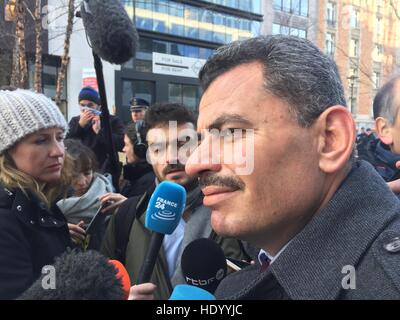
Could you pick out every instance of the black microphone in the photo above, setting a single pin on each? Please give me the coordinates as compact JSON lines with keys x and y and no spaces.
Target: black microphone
{"x":203,"y":264}
{"x":163,"y":214}
{"x":111,"y":32}
{"x":78,"y":276}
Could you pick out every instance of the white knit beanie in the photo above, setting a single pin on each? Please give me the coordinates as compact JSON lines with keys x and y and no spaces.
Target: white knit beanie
{"x":23,"y":112}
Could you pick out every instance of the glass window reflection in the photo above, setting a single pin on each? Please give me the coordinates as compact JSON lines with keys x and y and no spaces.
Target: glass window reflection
{"x":196,"y":23}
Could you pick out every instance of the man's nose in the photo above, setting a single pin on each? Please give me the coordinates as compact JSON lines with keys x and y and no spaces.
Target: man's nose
{"x":171,"y":156}
{"x":200,"y":161}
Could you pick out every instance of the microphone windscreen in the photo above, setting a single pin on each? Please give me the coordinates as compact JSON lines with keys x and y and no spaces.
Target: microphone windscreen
{"x":203,"y":264}
{"x":123,"y":276}
{"x":77,"y":276}
{"x":165,"y":207}
{"x":110,"y":30}
{"x":187,"y":292}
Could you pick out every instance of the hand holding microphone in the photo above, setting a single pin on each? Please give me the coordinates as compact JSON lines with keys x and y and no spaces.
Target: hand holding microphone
{"x":164,"y":212}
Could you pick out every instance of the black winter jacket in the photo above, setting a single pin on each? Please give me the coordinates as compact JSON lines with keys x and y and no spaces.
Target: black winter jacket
{"x":140,"y":178}
{"x":30,"y":238}
{"x":97,"y":142}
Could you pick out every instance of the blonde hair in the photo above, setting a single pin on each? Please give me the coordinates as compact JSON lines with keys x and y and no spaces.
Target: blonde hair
{"x":12,"y":178}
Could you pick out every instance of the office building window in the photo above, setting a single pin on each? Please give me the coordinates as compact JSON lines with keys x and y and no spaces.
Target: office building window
{"x":354,"y":47}
{"x":286,"y":30}
{"x":376,"y":79}
{"x":245,"y":5}
{"x":330,"y":44}
{"x":296,"y":7}
{"x":187,"y":94}
{"x":355,"y":18}
{"x":197,"y":23}
{"x":331,"y":14}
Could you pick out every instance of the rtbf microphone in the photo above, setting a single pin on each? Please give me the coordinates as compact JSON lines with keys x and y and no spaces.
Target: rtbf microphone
{"x":187,"y":292}
{"x":164,"y":212}
{"x":110,"y":30}
{"x":203,"y":264}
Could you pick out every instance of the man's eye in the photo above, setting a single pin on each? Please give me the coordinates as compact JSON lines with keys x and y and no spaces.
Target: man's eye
{"x":228,"y":132}
{"x":155,"y":149}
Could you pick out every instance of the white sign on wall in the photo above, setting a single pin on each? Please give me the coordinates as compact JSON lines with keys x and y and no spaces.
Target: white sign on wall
{"x":89,"y":78}
{"x":176,"y":65}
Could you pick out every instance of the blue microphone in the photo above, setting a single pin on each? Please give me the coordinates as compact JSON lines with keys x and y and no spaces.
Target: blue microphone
{"x":164,"y":212}
{"x":188,"y":292}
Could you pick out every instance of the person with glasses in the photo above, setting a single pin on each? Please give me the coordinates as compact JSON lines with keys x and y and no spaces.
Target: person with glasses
{"x":138,"y":108}
{"x":88,"y":129}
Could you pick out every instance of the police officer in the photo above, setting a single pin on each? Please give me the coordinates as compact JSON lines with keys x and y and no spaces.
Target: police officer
{"x":138,"y":108}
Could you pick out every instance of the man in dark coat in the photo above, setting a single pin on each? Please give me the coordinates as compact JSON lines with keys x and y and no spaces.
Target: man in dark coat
{"x":328,"y":226}
{"x":386,"y":150}
{"x":87,"y":127}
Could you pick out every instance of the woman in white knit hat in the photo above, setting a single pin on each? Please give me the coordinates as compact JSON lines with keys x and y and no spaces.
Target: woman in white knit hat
{"x":32,"y":230}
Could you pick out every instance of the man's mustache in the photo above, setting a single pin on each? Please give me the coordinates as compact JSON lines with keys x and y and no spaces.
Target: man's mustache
{"x":173,"y":167}
{"x":221,"y":181}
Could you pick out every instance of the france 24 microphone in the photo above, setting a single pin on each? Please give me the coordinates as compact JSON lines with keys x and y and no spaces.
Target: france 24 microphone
{"x":203,"y":264}
{"x":111,"y":32}
{"x":188,"y":292}
{"x":164,"y":211}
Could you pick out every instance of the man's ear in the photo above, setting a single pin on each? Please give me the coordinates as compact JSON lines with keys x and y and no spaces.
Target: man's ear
{"x":336,"y":136}
{"x":383,"y":129}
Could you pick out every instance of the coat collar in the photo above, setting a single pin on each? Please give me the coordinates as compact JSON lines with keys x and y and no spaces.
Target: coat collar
{"x":312,"y":264}
{"x":29,"y":210}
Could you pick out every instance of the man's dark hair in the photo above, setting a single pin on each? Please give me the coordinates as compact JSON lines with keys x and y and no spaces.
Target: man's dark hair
{"x":130,"y":131}
{"x":160,"y":114}
{"x":383,"y":105}
{"x":294,"y":70}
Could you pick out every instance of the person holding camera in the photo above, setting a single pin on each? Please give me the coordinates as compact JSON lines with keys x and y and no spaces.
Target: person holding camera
{"x":88,"y":129}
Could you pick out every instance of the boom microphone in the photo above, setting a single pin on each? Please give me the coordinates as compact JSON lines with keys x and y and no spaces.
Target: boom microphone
{"x":79,"y":276}
{"x":110,"y":30}
{"x":164,"y":212}
{"x":203,"y":264}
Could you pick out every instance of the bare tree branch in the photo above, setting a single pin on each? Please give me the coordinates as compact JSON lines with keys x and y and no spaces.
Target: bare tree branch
{"x":39,"y":49}
{"x":65,"y":57}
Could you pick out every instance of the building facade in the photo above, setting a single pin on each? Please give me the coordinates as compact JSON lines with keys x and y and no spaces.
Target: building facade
{"x":176,"y":38}
{"x":362,"y":36}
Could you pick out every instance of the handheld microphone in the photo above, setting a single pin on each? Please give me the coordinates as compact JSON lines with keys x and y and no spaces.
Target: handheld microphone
{"x":78,"y":276}
{"x":111,"y":32}
{"x":187,"y":292}
{"x":123,"y":276}
{"x":203,"y":264}
{"x":164,"y":211}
